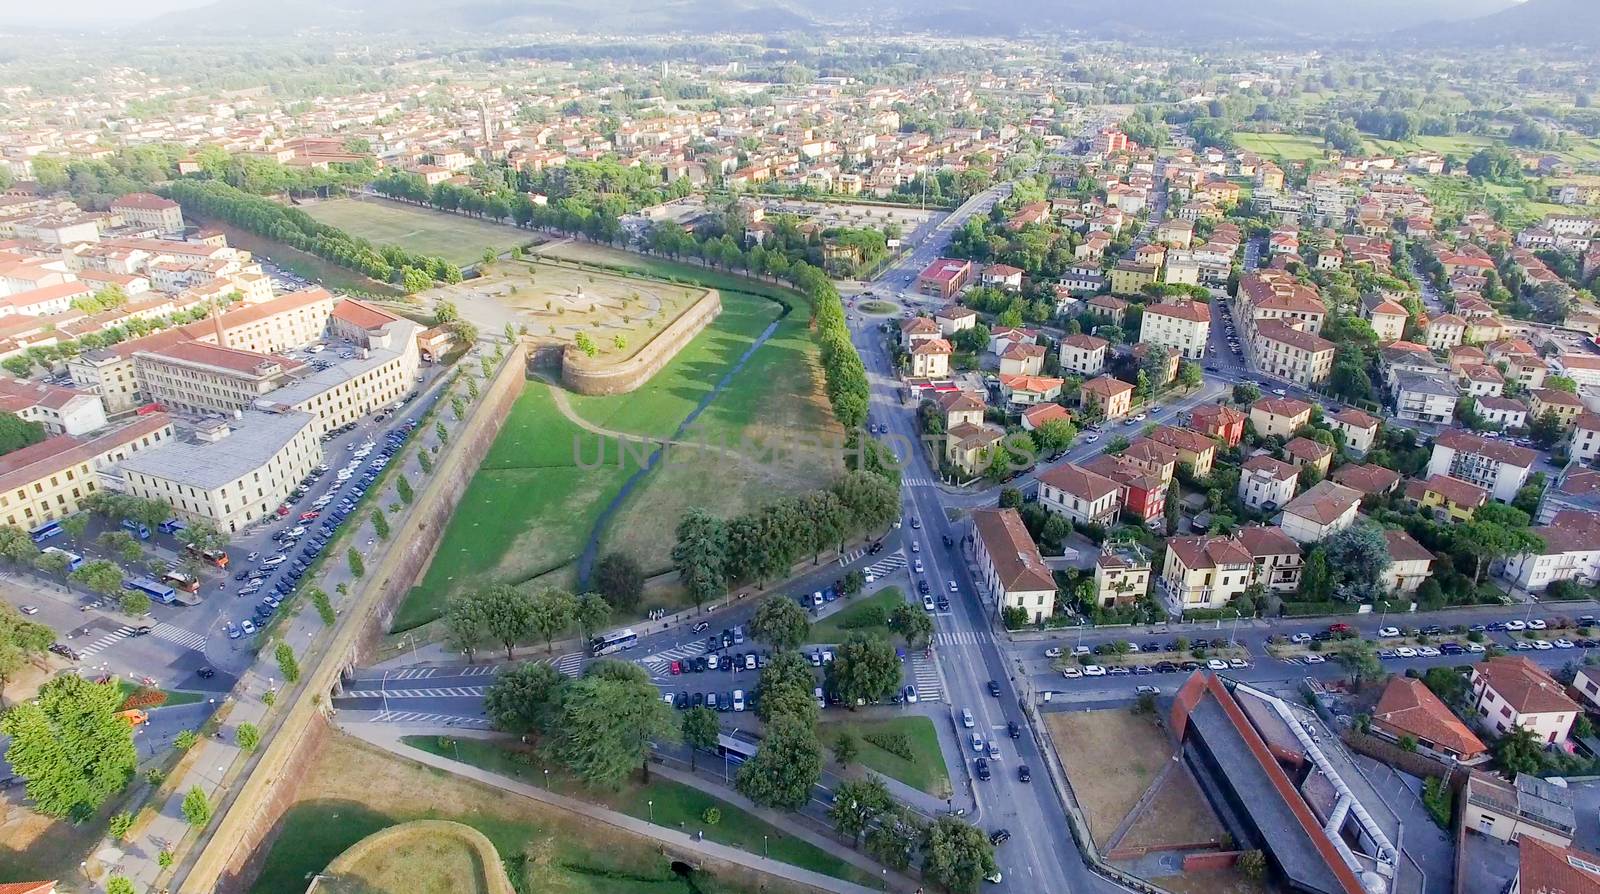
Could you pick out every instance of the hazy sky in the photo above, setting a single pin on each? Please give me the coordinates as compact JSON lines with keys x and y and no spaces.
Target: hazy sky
{"x":88,"y":12}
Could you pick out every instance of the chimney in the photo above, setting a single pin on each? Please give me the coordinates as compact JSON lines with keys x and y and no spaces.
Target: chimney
{"x":216,"y":320}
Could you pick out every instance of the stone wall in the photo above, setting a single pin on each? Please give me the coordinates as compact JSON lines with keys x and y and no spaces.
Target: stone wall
{"x":251,"y":811}
{"x":599,"y":375}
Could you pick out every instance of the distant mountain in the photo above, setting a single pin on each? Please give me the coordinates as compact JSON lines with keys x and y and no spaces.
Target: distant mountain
{"x":1216,"y":19}
{"x":1534,"y":23}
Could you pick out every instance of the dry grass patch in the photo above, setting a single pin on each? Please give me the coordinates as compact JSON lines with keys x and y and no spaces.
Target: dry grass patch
{"x":1222,"y":881}
{"x":1177,"y":815}
{"x":1111,"y":757}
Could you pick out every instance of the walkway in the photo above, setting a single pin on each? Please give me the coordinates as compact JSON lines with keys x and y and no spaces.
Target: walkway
{"x":388,"y":737}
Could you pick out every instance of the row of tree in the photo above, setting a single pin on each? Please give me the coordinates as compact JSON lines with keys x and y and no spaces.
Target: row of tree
{"x":215,"y":200}
{"x":711,"y":553}
{"x":508,"y":617}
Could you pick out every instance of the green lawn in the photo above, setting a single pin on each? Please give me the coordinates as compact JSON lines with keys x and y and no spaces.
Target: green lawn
{"x":454,"y":237}
{"x":174,"y":696}
{"x":835,"y":627}
{"x":925,"y":770}
{"x":1286,"y":147}
{"x":665,"y":802}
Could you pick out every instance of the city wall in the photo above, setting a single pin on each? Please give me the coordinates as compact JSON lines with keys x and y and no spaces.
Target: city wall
{"x":600,"y":375}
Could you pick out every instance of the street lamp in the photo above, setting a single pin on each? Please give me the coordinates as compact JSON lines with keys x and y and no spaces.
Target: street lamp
{"x":652,"y":805}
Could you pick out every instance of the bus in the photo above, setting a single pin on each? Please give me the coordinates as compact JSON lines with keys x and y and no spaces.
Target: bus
{"x":607,"y":643}
{"x":177,"y":579}
{"x":736,"y":747}
{"x":215,"y":556}
{"x":74,"y":561}
{"x":45,"y":531}
{"x":158,"y":591}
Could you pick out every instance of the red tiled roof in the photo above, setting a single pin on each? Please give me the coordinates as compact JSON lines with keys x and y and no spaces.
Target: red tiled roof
{"x":1190,"y":311}
{"x":1016,"y":559}
{"x":1039,"y":414}
{"x":932,"y":346}
{"x":1462,"y":493}
{"x":1260,"y":540}
{"x":1324,"y":502}
{"x":1281,"y":406}
{"x":27,"y":887}
{"x":1307,"y":449}
{"x":1208,"y":552}
{"x":1524,"y":685}
{"x":1085,"y":342}
{"x":1545,"y":868}
{"x":1079,"y":482}
{"x":360,"y":313}
{"x":1404,"y":548}
{"x":1267,"y":465}
{"x":143,"y":201}
{"x":1368,"y":479}
{"x":1355,"y":418}
{"x":1106,"y":386}
{"x":1183,"y":439}
{"x":1409,"y":707}
{"x":30,"y":463}
{"x":1467,"y":442}
{"x":1296,"y":338}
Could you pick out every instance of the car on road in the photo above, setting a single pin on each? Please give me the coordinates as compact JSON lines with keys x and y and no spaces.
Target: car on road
{"x":247,"y":626}
{"x":927,"y":602}
{"x":953,"y":588}
{"x":1216,"y":664}
{"x":1513,"y":626}
{"x":1147,"y":690}
{"x":966,"y":718}
{"x":1024,"y":774}
{"x":702,"y":626}
{"x":909,"y":694}
{"x":999,"y":837}
{"x":916,"y":525}
{"x":1536,"y":624}
{"x":1013,"y":730}
{"x":29,"y":609}
{"x":994,"y":688}
{"x":1388,"y":632}
{"x":206,"y":673}
{"x":981,"y":768}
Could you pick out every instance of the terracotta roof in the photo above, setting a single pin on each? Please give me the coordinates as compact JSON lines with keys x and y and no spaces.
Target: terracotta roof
{"x":1355,"y":418}
{"x":1368,"y":479}
{"x":918,"y":326}
{"x":1409,"y":707}
{"x":1307,"y":449}
{"x":1281,"y":332}
{"x":1190,"y":311}
{"x":1324,"y":503}
{"x":1016,"y":559}
{"x":1225,"y":415}
{"x":1508,"y":405}
{"x":1570,"y":531}
{"x":1037,"y":384}
{"x":968,"y":435}
{"x":959,"y":401}
{"x":29,"y":464}
{"x":1461,"y":493}
{"x":1281,"y":406}
{"x":1545,"y":868}
{"x":1148,"y":450}
{"x":1108,"y":302}
{"x":1483,"y":372}
{"x":1270,"y":467}
{"x":1524,"y":685}
{"x":1404,"y":548}
{"x":1260,"y":540}
{"x":27,"y":887}
{"x":1106,"y":386}
{"x":1388,"y":309}
{"x":1023,"y":351}
{"x":1039,"y":414}
{"x":143,"y":201}
{"x":360,"y":313}
{"x":1182,"y":439}
{"x":1079,"y":482}
{"x":1085,"y":342}
{"x":1450,"y":320}
{"x":955,"y":312}
{"x":1554,"y":397}
{"x":1588,"y":421}
{"x":1467,"y":442}
{"x":1208,"y":552}
{"x":932,"y":346}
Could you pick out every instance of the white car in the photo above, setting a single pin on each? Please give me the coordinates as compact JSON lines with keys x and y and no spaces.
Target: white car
{"x":1563,"y":643}
{"x":977,"y":743}
{"x":1315,"y":659}
{"x":1092,"y":437}
{"x":344,"y":474}
{"x":917,"y":566}
{"x":1517,"y":625}
{"x":927,"y":603}
{"x":1428,"y":652}
{"x":966,"y":717}
{"x":1300,"y":638}
{"x":1405,"y":652}
{"x":1388,"y":632}
{"x":1093,"y":670}
{"x":1535,"y":624}
{"x":1238,"y":663}
{"x":1542,"y":645}
{"x":1071,"y":673}
{"x":29,"y":609}
{"x":1053,"y":652}
{"x":738,"y":699}
{"x":953,"y":587}
{"x":1216,"y":664}
{"x":1476,"y":648}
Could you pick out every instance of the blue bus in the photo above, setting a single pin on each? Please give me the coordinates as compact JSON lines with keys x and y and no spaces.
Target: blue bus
{"x":158,"y":591}
{"x":45,"y":531}
{"x":74,"y":561}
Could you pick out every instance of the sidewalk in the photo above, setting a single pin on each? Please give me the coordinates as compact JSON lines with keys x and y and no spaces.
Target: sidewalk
{"x":388,"y":736}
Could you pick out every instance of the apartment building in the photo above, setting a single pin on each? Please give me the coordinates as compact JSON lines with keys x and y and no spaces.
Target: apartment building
{"x":350,"y":389}
{"x":1009,"y":564}
{"x":1359,"y":429}
{"x":1571,"y":552}
{"x":1425,"y":397}
{"x":200,"y":377}
{"x":1079,"y":494}
{"x":228,"y":472}
{"x":62,"y":411}
{"x":1121,"y":574}
{"x":145,"y":209}
{"x":1111,"y":397}
{"x":1279,"y":417}
{"x":1266,"y":483}
{"x":1277,"y":560}
{"x":1324,"y":509}
{"x":1410,"y":563}
{"x":51,"y":479}
{"x":1084,"y":355}
{"x":1495,"y":466}
{"x":1292,"y":354}
{"x":1510,"y":691}
{"x":1205,"y":572}
{"x":1183,"y":326}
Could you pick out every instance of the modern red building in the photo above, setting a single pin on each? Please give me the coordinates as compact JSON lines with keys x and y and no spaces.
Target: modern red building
{"x":945,"y":277}
{"x":1219,"y":421}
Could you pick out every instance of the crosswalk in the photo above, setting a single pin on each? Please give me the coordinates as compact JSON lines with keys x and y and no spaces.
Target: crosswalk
{"x":186,"y":638}
{"x":432,"y":692}
{"x":852,"y":556}
{"x":421,"y":718}
{"x":568,"y":665}
{"x":964,"y":638}
{"x":660,"y":664}
{"x":885,"y":567}
{"x":918,"y":482}
{"x":106,"y":641}
{"x":925,"y":674}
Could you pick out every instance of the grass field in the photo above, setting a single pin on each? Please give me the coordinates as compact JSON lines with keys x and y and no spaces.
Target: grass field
{"x":174,"y":696}
{"x":436,"y":864}
{"x":854,"y":619}
{"x":532,"y":505}
{"x":360,"y":790}
{"x":1287,"y":147}
{"x":454,"y":237}
{"x":670,"y":804}
{"x":925,"y":769}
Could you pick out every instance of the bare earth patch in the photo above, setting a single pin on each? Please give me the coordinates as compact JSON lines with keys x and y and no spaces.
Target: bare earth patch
{"x":1111,"y":757}
{"x":1178,"y":815}
{"x":1225,"y":881}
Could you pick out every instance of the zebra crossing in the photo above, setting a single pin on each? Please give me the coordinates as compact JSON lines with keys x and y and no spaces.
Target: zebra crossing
{"x":185,"y":638}
{"x":925,"y":674}
{"x":660,"y":664}
{"x":424,"y":719}
{"x":964,"y":638}
{"x":918,"y":482}
{"x":106,"y":641}
{"x":434,"y":692}
{"x":886,"y":567}
{"x":567,"y":665}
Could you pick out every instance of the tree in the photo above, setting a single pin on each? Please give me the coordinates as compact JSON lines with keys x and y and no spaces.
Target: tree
{"x":606,"y":721}
{"x":1361,"y":662}
{"x":701,"y":555}
{"x":120,"y":825}
{"x":466,"y":624}
{"x":1190,"y":376}
{"x":133,"y":603}
{"x":1246,"y":393}
{"x":118,"y":884}
{"x":507,"y":614}
{"x":16,"y":434}
{"x":21,"y":641}
{"x":358,"y":568}
{"x":864,"y":669}
{"x":1519,"y":751}
{"x":956,"y":855}
{"x":1561,"y":383}
{"x":70,"y":746}
{"x":380,"y":525}
{"x":1316,"y":582}
{"x":857,"y":803}
{"x":288,"y":665}
{"x":845,"y":748}
{"x":248,"y":735}
{"x":196,"y":807}
{"x":1358,"y":556}
{"x":618,"y":577}
{"x":785,"y":767}
{"x":895,"y":837}
{"x":1054,"y":435}
{"x":521,"y":699}
{"x":553,"y":611}
{"x":700,"y":731}
{"x":913,"y":625}
{"x":591,"y":613}
{"x":780,"y":622}
{"x":786,"y":685}
{"x":1494,"y":536}
{"x":16,"y":546}
{"x":99,"y":576}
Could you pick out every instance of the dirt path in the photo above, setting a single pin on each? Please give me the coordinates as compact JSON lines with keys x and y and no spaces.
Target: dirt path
{"x":559,"y":394}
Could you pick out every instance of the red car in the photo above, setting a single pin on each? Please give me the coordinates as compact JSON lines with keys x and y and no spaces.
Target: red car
{"x":677,"y":668}
{"x":308,"y":516}
{"x":283,"y":510}
{"x":1340,"y":628}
